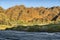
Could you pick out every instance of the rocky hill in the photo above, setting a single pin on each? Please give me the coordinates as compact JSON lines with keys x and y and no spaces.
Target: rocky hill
{"x":24,"y":15}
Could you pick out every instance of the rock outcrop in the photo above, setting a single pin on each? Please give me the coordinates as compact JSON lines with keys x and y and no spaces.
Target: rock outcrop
{"x":38,"y":14}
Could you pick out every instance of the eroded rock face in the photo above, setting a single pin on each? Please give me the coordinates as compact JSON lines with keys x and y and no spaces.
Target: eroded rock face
{"x":3,"y":16}
{"x":32,"y":14}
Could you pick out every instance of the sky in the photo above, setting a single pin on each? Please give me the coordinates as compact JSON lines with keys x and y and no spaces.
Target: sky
{"x":29,"y":3}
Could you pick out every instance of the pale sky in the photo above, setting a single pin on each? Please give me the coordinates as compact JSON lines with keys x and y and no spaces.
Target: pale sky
{"x":29,"y":3}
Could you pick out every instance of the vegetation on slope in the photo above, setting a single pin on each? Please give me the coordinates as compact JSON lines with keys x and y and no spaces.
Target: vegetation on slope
{"x":21,"y":15}
{"x":37,"y":28}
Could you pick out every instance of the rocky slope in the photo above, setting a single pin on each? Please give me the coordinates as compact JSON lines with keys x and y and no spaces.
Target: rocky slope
{"x":31,"y":15}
